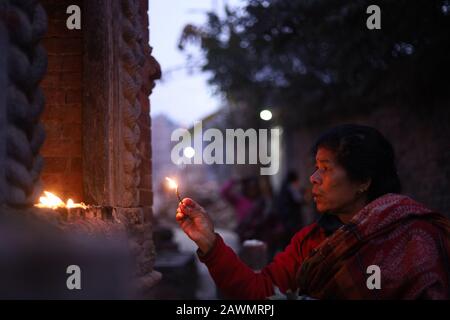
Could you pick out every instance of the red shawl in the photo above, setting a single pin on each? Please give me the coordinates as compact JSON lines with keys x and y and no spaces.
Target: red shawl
{"x":408,"y":242}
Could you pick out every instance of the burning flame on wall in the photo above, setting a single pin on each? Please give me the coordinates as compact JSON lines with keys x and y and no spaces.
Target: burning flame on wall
{"x":52,"y":201}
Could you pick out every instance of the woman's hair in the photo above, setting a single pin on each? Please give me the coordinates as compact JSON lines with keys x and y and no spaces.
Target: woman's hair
{"x":365,"y":154}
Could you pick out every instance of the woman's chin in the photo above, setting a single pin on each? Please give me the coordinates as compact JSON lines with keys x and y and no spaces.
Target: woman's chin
{"x":321,"y":208}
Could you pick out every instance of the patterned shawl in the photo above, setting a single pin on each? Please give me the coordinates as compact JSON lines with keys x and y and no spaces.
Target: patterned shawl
{"x":408,"y":242}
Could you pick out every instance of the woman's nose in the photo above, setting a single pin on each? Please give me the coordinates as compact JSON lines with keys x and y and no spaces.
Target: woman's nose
{"x":315,"y":177}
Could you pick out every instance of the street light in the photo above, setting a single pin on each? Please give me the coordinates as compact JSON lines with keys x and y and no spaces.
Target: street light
{"x":266,"y":115}
{"x":189,"y":152}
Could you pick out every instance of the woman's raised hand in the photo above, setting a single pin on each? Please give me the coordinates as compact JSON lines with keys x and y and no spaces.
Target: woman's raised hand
{"x":196,"y":223}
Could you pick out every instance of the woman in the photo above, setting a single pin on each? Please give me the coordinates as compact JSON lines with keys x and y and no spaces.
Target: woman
{"x":364,"y":223}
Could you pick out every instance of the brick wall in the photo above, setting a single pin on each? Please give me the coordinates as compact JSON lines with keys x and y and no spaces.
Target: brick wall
{"x":62,"y":85}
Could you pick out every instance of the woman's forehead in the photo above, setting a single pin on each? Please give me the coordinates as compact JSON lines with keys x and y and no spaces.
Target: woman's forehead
{"x":325,"y":155}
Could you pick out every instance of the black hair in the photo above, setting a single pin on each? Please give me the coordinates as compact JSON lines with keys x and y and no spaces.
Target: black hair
{"x":365,"y":154}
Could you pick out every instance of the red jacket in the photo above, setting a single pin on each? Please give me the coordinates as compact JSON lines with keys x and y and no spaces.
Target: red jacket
{"x":409,"y":244}
{"x":236,"y":280}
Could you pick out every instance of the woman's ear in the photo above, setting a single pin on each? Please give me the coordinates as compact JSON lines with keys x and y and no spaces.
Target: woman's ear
{"x":365,"y":186}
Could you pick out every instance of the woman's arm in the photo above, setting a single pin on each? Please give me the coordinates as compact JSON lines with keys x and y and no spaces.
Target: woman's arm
{"x":236,"y":280}
{"x":231,"y":275}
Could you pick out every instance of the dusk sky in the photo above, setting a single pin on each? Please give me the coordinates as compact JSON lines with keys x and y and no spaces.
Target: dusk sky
{"x":184,"y":97}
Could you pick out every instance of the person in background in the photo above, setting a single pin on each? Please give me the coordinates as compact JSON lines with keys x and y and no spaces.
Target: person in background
{"x":249,"y":204}
{"x":309,"y":212}
{"x":289,"y":206}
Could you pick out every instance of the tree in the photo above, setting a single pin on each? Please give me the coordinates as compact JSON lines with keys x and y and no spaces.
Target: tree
{"x":315,"y":58}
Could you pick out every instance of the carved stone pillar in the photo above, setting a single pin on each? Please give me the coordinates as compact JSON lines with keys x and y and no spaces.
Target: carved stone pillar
{"x":23,"y":65}
{"x":118,"y":75}
{"x":118,"y":68}
{"x":118,"y":71}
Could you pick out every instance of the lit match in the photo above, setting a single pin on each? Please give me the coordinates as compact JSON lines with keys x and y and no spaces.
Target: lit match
{"x":174,"y":185}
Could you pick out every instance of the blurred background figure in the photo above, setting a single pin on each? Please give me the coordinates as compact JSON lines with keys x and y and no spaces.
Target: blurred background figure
{"x":289,"y":207}
{"x":251,"y":198}
{"x":242,"y":200}
{"x":243,"y":195}
{"x":309,"y":212}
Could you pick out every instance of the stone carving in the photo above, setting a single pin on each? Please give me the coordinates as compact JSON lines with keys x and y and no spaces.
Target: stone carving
{"x":26,"y":23}
{"x":119,"y":72}
{"x":138,"y":70}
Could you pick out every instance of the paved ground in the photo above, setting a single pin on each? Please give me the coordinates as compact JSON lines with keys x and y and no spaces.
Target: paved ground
{"x":206,"y":289}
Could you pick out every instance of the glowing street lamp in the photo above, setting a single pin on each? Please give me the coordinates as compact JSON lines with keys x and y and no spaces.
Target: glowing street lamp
{"x":189,"y":152}
{"x":266,"y":115}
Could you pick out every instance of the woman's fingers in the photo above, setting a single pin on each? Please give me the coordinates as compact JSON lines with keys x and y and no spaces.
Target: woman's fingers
{"x":187,"y":209}
{"x":179,"y":215}
{"x":188,"y":202}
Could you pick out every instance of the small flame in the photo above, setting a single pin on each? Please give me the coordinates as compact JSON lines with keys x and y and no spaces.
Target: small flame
{"x":70,"y":205}
{"x":172,"y":183}
{"x":54,"y":202}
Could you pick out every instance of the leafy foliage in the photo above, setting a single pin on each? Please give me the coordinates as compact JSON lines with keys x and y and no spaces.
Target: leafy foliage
{"x":314,"y":58}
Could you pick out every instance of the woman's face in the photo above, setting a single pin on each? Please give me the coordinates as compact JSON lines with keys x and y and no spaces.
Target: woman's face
{"x":332,"y":190}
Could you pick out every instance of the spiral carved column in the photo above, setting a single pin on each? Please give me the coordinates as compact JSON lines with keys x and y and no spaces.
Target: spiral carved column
{"x":24,"y":24}
{"x":119,"y":76}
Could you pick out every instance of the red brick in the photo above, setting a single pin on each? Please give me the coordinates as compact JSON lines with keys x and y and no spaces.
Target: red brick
{"x":76,"y":165}
{"x":67,"y":114}
{"x":72,"y":113}
{"x":54,"y":63}
{"x":55,"y":164}
{"x":53,"y":113}
{"x":73,"y":96}
{"x":71,"y":131}
{"x":50,"y":180}
{"x":63,"y":45}
{"x":54,"y":96}
{"x":51,"y":80}
{"x":57,"y":28}
{"x":73,"y":181}
{"x":57,"y":9}
{"x":74,"y":192}
{"x":64,"y":186}
{"x":71,"y":80}
{"x":61,"y":148}
{"x":72,"y":63}
{"x":53,"y":129}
